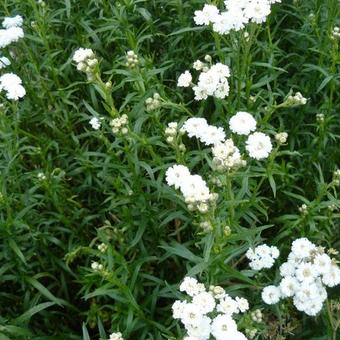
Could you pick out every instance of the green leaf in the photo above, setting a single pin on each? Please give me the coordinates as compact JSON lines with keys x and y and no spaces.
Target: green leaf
{"x":32,"y":311}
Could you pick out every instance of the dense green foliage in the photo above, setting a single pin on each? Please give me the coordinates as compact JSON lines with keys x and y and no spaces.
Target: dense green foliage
{"x":102,"y":188}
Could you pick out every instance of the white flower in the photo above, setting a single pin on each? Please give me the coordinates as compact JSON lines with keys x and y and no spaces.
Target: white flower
{"x":191,"y":286}
{"x":191,"y":315}
{"x":205,"y":302}
{"x":95,"y":123}
{"x":262,"y":256}
{"x":207,"y":134}
{"x":9,"y":35}
{"x":195,"y":127}
{"x":271,"y":295}
{"x":176,"y":175}
{"x":223,"y":326}
{"x":227,"y":305}
{"x":242,"y":304}
{"x":257,"y":10}
{"x":236,"y":15}
{"x":258,"y":145}
{"x":16,"y":21}
{"x":4,"y":62}
{"x":332,"y":277}
{"x":212,"y":135}
{"x":198,"y":65}
{"x":200,"y":331}
{"x":302,"y":247}
{"x":11,"y":83}
{"x":207,"y":15}
{"x":322,"y":263}
{"x":213,"y":82}
{"x":287,"y":269}
{"x":306,"y":272}
{"x":195,"y":186}
{"x":82,"y":54}
{"x":313,"y":307}
{"x":242,"y":123}
{"x":288,"y":286}
{"x":184,"y":79}
{"x":307,"y":290}
{"x":116,"y":336}
{"x":178,"y":308}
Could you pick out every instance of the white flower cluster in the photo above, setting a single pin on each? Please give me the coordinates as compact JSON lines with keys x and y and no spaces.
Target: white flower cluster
{"x":258,"y":144}
{"x":297,"y":99}
{"x":236,"y":15}
{"x":86,"y":61}
{"x":116,"y":336}
{"x":226,"y":156}
{"x":262,"y":256}
{"x":208,"y":313}
{"x":304,"y":277}
{"x":194,"y":189}
{"x":131,"y":59}
{"x":12,"y":31}
{"x":4,"y":62}
{"x":212,"y":81}
{"x":9,"y":82}
{"x":12,"y":85}
{"x":153,"y":103}
{"x":120,"y":125}
{"x":207,"y":134}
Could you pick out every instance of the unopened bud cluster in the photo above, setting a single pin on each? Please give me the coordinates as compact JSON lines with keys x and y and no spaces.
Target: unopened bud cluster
{"x":171,"y":133}
{"x":227,"y":156}
{"x":201,"y":66}
{"x":336,"y":177}
{"x":153,"y":103}
{"x":256,"y":315}
{"x":131,"y":59}
{"x":303,"y":209}
{"x":320,"y":117}
{"x":336,"y":33}
{"x":206,"y":226}
{"x":297,"y":99}
{"x":119,"y":125}
{"x":196,"y":193}
{"x":97,"y":266}
{"x":332,"y":207}
{"x":102,"y":247}
{"x":86,"y":61}
{"x":41,"y":176}
{"x":251,"y":333}
{"x":281,"y":137}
